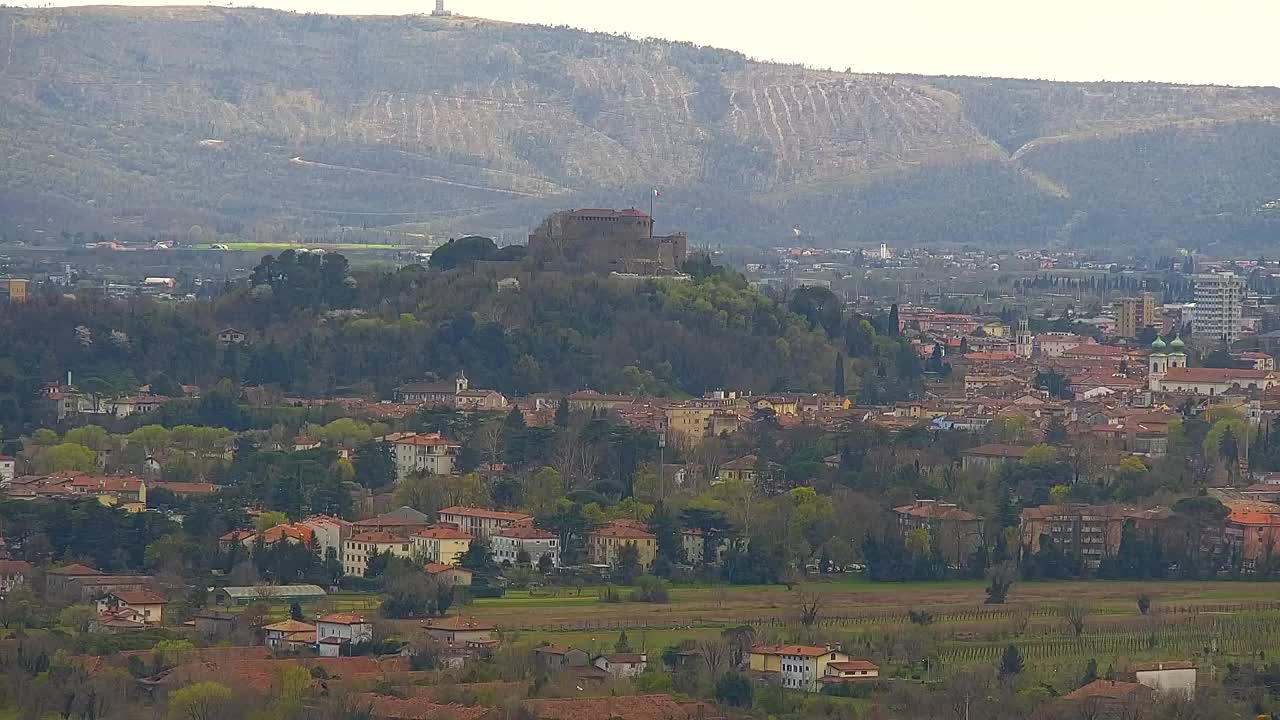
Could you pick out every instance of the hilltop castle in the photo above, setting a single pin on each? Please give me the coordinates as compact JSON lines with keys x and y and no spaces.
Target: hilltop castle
{"x":608,"y":241}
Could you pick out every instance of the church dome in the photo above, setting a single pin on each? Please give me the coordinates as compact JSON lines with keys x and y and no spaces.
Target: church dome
{"x":1157,"y":347}
{"x":1177,"y":344}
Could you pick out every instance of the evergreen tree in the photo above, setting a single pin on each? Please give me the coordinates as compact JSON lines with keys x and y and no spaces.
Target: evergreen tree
{"x":374,"y":463}
{"x":562,"y":413}
{"x":295,"y":611}
{"x":622,"y":645}
{"x":893,"y":328}
{"x":1010,"y":662}
{"x":1229,"y":446}
{"x":839,"y":377}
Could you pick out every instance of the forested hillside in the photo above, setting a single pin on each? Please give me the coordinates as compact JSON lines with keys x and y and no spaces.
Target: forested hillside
{"x":317,"y":329}
{"x":210,"y":122}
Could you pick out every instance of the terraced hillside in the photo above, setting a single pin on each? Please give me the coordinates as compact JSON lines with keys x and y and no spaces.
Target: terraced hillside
{"x":206,"y":121}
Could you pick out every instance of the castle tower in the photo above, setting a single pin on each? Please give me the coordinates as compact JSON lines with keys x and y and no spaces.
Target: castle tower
{"x":440,"y":11}
{"x":1025,"y":340}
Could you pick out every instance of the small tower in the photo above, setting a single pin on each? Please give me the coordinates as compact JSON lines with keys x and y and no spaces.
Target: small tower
{"x":1157,"y":363}
{"x":461,"y":382}
{"x":1025,"y":340}
{"x":1177,"y":353}
{"x":440,"y":11}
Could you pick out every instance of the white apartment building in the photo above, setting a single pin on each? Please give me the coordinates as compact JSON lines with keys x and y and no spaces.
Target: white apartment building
{"x":424,"y":452}
{"x":329,"y":532}
{"x":507,"y":543}
{"x":1219,"y":299}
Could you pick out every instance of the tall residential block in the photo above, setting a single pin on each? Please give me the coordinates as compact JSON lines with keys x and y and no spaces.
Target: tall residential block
{"x":1219,"y":299}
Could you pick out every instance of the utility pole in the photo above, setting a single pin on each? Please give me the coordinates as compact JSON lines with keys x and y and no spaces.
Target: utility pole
{"x":662,"y":451}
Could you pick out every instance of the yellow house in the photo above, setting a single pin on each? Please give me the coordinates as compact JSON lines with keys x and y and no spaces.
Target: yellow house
{"x":995,"y":329}
{"x":357,"y":549}
{"x":743,"y":470}
{"x":778,"y":404}
{"x":799,"y":667}
{"x":441,"y":544}
{"x":608,"y":541}
{"x":687,"y":424}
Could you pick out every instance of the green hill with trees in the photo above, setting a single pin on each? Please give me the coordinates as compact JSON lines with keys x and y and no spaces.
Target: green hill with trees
{"x":209,"y":124}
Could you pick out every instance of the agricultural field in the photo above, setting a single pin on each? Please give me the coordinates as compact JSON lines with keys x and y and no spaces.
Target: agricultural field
{"x":1213,"y":623}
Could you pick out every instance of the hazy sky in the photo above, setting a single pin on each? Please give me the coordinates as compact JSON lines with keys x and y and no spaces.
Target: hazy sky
{"x":1192,"y":41}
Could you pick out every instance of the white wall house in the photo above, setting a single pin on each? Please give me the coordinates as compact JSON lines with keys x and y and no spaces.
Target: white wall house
{"x":339,"y":629}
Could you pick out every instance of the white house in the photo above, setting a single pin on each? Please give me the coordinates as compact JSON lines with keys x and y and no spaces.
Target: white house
{"x":1171,"y":678}
{"x":338,"y":629}
{"x":327,"y":532}
{"x":622,"y":664}
{"x":430,"y":453}
{"x":8,"y":470}
{"x":507,"y":543}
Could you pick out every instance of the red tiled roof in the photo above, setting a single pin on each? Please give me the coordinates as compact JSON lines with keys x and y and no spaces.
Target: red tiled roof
{"x":379,"y":537}
{"x":289,"y":626}
{"x":342,"y":619}
{"x":431,"y":440}
{"x":74,"y":570}
{"x":803,"y":650}
{"x":1214,"y":375}
{"x":442,"y":532}
{"x":623,"y":532}
{"x":484,"y":513}
{"x":1106,"y":689}
{"x":852,"y":665}
{"x":939,"y":511}
{"x":14,"y":567}
{"x":525,"y":532}
{"x":139,"y":597}
{"x":387,"y":707}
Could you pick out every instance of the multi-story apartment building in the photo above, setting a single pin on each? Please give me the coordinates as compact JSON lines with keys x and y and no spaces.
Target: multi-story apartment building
{"x":1091,"y":532}
{"x":481,"y":522}
{"x":424,"y":452}
{"x":1219,"y":303}
{"x":1134,"y":314}
{"x":507,"y":543}
{"x":957,"y":533}
{"x":441,"y":544}
{"x":608,"y":541}
{"x":357,"y":549}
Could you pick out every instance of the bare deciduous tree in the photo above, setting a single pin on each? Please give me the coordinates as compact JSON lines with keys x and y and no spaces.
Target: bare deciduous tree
{"x":1074,"y":615}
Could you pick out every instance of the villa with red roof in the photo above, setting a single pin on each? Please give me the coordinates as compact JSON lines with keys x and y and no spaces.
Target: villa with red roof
{"x":607,"y":543}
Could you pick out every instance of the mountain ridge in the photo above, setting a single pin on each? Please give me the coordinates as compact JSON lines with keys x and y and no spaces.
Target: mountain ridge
{"x":263,"y":123}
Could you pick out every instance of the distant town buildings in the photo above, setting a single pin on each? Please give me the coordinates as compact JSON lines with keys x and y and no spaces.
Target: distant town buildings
{"x":1134,"y":314}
